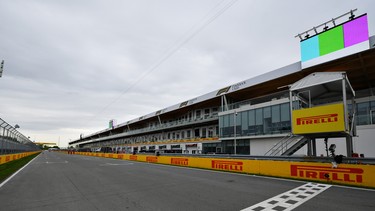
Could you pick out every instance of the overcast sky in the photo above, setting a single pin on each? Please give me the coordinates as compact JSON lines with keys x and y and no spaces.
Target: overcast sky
{"x":71,"y":66}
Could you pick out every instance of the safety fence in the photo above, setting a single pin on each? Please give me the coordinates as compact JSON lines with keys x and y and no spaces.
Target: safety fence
{"x":10,"y":157}
{"x":344,"y":174}
{"x":12,"y":141}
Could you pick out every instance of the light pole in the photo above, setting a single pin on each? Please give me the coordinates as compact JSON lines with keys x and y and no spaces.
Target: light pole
{"x":235,"y":131}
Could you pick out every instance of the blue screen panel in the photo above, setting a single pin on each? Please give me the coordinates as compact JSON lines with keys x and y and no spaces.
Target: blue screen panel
{"x":310,"y":48}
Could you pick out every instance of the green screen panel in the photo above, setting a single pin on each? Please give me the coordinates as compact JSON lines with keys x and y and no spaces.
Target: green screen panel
{"x":331,"y":41}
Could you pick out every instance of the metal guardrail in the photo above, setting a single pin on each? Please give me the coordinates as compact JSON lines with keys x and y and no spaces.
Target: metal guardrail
{"x":12,"y":141}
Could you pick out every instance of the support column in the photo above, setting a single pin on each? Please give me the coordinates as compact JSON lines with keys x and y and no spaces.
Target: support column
{"x":309,"y":148}
{"x":349,"y":146}
{"x":326,"y":145}
{"x":313,"y":143}
{"x":224,"y":103}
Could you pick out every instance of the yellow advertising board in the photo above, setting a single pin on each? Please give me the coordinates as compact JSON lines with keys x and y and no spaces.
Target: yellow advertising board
{"x":346,"y":174}
{"x":321,"y":119}
{"x":10,"y":157}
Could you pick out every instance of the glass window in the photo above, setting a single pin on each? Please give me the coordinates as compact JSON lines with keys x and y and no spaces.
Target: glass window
{"x":197,"y":133}
{"x":363,"y":107}
{"x":238,"y":118}
{"x":372,"y":112}
{"x":206,"y":113}
{"x":275,"y":113}
{"x":204,"y":132}
{"x":285,"y":113}
{"x":267,"y":112}
{"x":266,"y":120}
{"x":259,"y":116}
{"x":244,"y":123}
{"x":226,"y":121}
{"x":198,"y":114}
{"x":251,"y":117}
{"x":210,"y":132}
{"x":231,"y":120}
{"x":363,"y":113}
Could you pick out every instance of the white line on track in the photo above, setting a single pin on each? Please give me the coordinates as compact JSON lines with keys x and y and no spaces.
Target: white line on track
{"x":9,"y":178}
{"x":116,"y":164}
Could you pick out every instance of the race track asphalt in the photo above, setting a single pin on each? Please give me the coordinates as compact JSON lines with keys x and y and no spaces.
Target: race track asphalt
{"x":57,"y":181}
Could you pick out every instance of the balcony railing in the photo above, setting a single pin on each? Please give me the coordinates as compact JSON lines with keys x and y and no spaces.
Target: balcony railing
{"x":168,"y":125}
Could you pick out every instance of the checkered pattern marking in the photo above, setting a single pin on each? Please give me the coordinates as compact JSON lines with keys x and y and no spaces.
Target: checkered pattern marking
{"x":290,"y":199}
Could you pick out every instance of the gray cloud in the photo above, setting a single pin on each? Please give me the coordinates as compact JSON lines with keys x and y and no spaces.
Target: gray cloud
{"x":70,"y":66}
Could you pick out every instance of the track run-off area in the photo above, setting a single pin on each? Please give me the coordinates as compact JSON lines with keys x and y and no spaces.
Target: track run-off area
{"x":57,"y":181}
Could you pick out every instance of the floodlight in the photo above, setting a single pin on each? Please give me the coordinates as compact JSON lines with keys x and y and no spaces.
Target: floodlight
{"x":351,"y":17}
{"x":316,"y":32}
{"x":324,"y":25}
{"x":299,"y":35}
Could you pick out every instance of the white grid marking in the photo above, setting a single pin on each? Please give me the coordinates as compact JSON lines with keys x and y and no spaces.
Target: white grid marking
{"x":290,"y":199}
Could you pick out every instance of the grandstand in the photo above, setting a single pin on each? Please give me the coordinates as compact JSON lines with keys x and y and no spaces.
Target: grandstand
{"x":255,"y":116}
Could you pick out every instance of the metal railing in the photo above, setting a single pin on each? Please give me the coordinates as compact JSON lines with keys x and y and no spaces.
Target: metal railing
{"x":280,"y":147}
{"x":165,"y":126}
{"x":12,"y":141}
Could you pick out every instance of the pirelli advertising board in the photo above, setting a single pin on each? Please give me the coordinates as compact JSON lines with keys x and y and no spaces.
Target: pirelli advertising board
{"x":322,"y":119}
{"x":347,"y":174}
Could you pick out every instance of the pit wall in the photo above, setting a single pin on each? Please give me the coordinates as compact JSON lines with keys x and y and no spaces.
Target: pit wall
{"x":345,"y":174}
{"x":10,"y":157}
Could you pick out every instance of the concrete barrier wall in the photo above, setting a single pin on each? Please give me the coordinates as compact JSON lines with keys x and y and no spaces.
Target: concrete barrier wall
{"x":10,"y":157}
{"x":345,"y":174}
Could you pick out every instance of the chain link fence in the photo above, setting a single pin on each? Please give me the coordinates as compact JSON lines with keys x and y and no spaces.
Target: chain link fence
{"x":12,"y":141}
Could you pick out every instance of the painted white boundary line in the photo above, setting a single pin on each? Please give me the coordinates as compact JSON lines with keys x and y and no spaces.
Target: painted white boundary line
{"x":9,"y":178}
{"x":290,"y":199}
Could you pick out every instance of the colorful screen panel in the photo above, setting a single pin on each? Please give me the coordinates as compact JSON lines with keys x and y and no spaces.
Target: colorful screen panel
{"x":331,"y":41}
{"x":340,"y":37}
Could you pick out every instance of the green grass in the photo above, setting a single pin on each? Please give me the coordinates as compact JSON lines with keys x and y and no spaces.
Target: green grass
{"x":7,"y":169}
